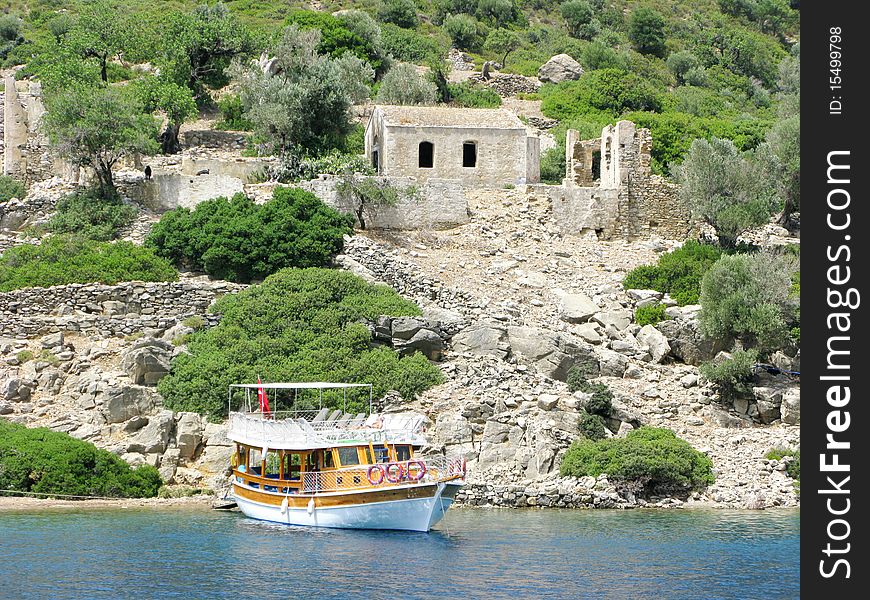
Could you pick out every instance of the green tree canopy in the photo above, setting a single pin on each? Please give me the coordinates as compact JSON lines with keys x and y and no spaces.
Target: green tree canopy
{"x":303,"y":105}
{"x":403,"y":85}
{"x":175,"y":101}
{"x":95,"y":127}
{"x":647,"y":31}
{"x":502,"y":42}
{"x":730,"y":190}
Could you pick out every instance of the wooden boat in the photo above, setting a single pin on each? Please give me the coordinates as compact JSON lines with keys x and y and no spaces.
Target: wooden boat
{"x":330,"y":468}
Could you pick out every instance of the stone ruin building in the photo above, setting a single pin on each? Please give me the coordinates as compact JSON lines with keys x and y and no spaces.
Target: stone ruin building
{"x":447,"y":153}
{"x":479,"y":146}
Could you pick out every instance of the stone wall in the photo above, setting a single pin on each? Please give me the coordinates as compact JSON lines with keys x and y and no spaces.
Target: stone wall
{"x":106,"y":310}
{"x":438,"y":204}
{"x":25,"y":149}
{"x":628,"y":201}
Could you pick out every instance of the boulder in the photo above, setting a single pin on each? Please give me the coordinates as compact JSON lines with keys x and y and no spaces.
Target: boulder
{"x":52,"y":340}
{"x":552,"y":354}
{"x":620,"y":319}
{"x":404,"y":328}
{"x":6,"y":409}
{"x":154,"y":437}
{"x":215,"y":459}
{"x":113,"y":308}
{"x":611,"y":363}
{"x":790,"y":409}
{"x":588,"y":332}
{"x":560,"y":68}
{"x":452,"y":429}
{"x":687,"y":342}
{"x":14,"y":389}
{"x":577,"y":308}
{"x":482,"y":339}
{"x":547,"y":402}
{"x":426,"y":341}
{"x":495,"y":432}
{"x":541,"y":462}
{"x":655,"y":341}
{"x":147,"y":361}
{"x":127,"y":401}
{"x":449,"y":321}
{"x":168,"y":464}
{"x":215,"y":434}
{"x":188,"y":434}
{"x":644,"y":295}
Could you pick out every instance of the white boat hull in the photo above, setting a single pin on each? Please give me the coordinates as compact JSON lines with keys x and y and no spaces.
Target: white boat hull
{"x":411,"y":514}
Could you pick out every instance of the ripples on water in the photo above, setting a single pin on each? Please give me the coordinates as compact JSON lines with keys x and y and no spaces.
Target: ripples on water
{"x":192,"y":553}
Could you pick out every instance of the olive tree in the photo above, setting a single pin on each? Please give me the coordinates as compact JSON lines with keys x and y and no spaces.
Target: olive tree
{"x":302,"y":104}
{"x":731,"y":191}
{"x":95,"y":127}
{"x":101,"y":32}
{"x":403,"y":85}
{"x":502,"y":42}
{"x":173,"y":100}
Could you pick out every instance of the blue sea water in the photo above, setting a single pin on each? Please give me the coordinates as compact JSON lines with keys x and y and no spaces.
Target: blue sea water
{"x":474,"y":553}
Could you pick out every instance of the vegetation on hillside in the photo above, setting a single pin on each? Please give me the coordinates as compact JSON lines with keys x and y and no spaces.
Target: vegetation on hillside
{"x":50,"y":462}
{"x":239,"y":240}
{"x":63,"y":259}
{"x":677,"y":273}
{"x":298,"y":325}
{"x":650,"y":457}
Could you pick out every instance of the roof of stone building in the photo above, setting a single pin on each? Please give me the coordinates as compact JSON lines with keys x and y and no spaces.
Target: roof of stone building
{"x":442,"y":116}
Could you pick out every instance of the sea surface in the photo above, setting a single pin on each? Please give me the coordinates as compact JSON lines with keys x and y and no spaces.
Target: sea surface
{"x":474,"y":553}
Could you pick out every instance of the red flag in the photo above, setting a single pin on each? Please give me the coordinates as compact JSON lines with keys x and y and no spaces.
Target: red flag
{"x":264,"y":400}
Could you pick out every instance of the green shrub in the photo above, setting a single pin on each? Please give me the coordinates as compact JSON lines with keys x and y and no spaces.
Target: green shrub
{"x":677,"y":273}
{"x":336,"y":37}
{"x":195,"y":322}
{"x":298,"y":325}
{"x":592,"y":426}
{"x":649,"y":315}
{"x":63,"y":259}
{"x":463,"y":30}
{"x":88,"y":215}
{"x":467,"y":95}
{"x":232,"y":114}
{"x":553,"y":166}
{"x":50,"y":462}
{"x":238,"y":240}
{"x":733,"y":376}
{"x":11,"y":188}
{"x":402,"y":13}
{"x":24,"y":355}
{"x":605,"y":91}
{"x":654,"y":457}
{"x":748,"y":296}
{"x":409,"y":46}
{"x":402,"y":85}
{"x":600,"y":401}
{"x":793,"y":469}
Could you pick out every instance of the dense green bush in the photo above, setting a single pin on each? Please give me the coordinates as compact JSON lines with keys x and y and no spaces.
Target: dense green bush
{"x":298,"y":325}
{"x":651,"y":456}
{"x":553,"y":166}
{"x":592,"y":426}
{"x":463,"y":30}
{"x":409,"y":46}
{"x":403,"y":85}
{"x":50,"y":462}
{"x":677,"y":273}
{"x":749,"y":296}
{"x":63,"y":259}
{"x":649,"y":315}
{"x":608,"y":91}
{"x":473,"y":96}
{"x":239,"y":240}
{"x":336,"y":38}
{"x":402,"y":13}
{"x":87,"y":214}
{"x":646,"y":31}
{"x":733,"y":376}
{"x":11,"y":188}
{"x":232,"y":114}
{"x":600,"y":402}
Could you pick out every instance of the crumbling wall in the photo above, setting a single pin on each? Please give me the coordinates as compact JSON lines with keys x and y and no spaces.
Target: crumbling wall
{"x":628,"y":201}
{"x":437,"y":203}
{"x":25,"y":149}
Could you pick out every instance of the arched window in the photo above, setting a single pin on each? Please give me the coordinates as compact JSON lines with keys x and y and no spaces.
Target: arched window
{"x":426,"y":155}
{"x":469,"y":154}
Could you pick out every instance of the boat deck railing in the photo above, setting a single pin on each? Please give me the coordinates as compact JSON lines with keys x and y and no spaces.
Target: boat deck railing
{"x":322,"y":427}
{"x":380,"y":476}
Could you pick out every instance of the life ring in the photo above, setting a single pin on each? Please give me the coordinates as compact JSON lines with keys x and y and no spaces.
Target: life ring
{"x":421,"y":472}
{"x":399,"y":473}
{"x":378,"y":469}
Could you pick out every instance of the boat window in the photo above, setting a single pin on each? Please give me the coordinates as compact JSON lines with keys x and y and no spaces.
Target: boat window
{"x":348,"y":456}
{"x":403,"y":453}
{"x":255,"y":459}
{"x":292,"y":466}
{"x":382,"y":454}
{"x":311,"y":462}
{"x":273,"y":464}
{"x":328,"y":462}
